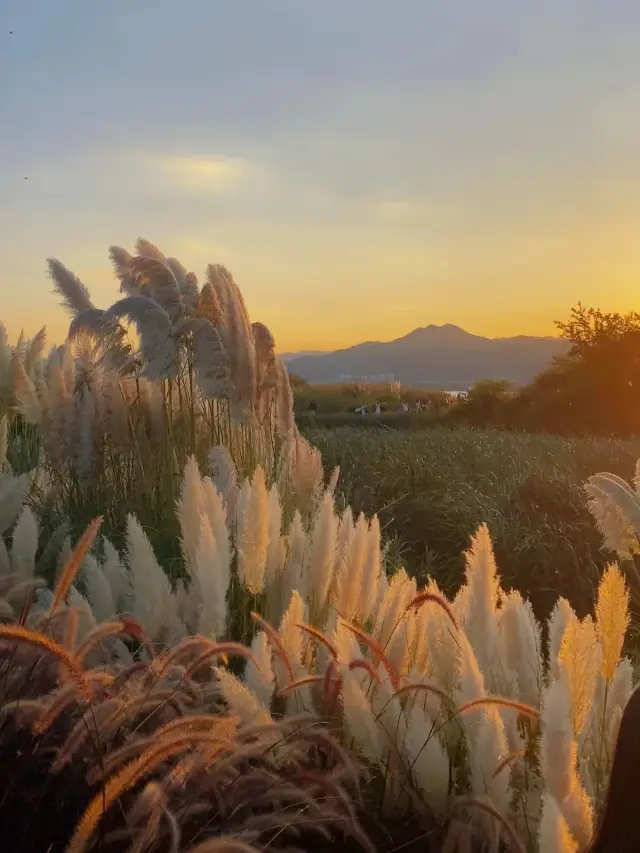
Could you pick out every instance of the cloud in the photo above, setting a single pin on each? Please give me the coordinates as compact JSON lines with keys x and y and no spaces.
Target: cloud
{"x":220,"y":174}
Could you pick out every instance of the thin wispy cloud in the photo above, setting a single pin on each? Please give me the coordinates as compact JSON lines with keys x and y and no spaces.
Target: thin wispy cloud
{"x":218,"y":174}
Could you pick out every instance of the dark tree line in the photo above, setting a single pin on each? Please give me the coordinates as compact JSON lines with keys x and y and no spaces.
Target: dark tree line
{"x":592,"y":390}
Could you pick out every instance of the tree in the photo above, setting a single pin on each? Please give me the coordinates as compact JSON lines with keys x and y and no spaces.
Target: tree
{"x":595,"y":388}
{"x":588,"y":328}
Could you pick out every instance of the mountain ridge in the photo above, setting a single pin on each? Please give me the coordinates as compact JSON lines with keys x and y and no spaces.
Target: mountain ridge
{"x":445,"y":356}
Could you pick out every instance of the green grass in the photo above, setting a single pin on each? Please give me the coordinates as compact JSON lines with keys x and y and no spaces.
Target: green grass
{"x":433,"y":488}
{"x":345,"y":398}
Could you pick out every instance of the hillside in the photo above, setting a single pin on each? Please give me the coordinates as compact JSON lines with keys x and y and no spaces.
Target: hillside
{"x":444,"y":356}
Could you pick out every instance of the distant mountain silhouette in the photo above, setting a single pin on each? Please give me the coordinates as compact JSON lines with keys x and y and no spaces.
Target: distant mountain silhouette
{"x":441,"y":356}
{"x":287,"y":356}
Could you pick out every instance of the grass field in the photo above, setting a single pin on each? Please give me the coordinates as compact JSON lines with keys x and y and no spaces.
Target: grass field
{"x":433,"y":488}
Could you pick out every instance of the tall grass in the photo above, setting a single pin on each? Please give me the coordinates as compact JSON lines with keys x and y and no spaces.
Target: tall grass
{"x":463,"y":703}
{"x":432,"y":490}
{"x":170,"y":370}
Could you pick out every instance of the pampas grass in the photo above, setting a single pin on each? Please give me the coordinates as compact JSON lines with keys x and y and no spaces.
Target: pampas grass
{"x":171,"y":370}
{"x":445,"y":700}
{"x":229,"y":591}
{"x":135,"y":756}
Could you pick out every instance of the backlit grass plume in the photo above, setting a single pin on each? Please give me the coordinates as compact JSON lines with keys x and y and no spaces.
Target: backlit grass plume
{"x":170,"y":370}
{"x":155,"y":753}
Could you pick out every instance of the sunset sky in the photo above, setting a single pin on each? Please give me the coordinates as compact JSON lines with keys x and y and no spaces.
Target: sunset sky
{"x":362,"y":166}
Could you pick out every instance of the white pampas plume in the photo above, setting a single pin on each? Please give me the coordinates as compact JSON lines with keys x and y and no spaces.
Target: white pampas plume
{"x":146,"y":249}
{"x":621,"y":686}
{"x":75,"y":297}
{"x":346,"y":644}
{"x":578,"y":812}
{"x":322,"y":552}
{"x":210,"y":359}
{"x":388,"y":711}
{"x":35,"y":350}
{"x":27,"y":402}
{"x":349,"y":578}
{"x":553,"y":833}
{"x":118,"y":577}
{"x":84,"y":451}
{"x":158,"y":349}
{"x":211,"y":577}
{"x":179,"y":272}
{"x":427,"y":759}
{"x":482,"y":584}
{"x":557,"y":745}
{"x":471,"y":686}
{"x":358,"y":717}
{"x":579,"y":661}
{"x":618,"y":534}
{"x":266,"y":369}
{"x":241,"y":701}
{"x":371,"y":570}
{"x":189,"y":508}
{"x":252,"y":540}
{"x":209,"y":305}
{"x":121,"y":260}
{"x":522,"y":645}
{"x":87,"y":621}
{"x":399,"y":594}
{"x":561,"y":615}
{"x":214,"y":509}
{"x":260,"y":679}
{"x":25,"y":544}
{"x":442,"y":646}
{"x":237,"y":338}
{"x":98,"y":590}
{"x":400,"y":647}
{"x":284,"y":400}
{"x":292,"y":637}
{"x":294,"y":642}
{"x":612,"y":618}
{"x":276,"y":551}
{"x":225,"y":477}
{"x":623,"y":496}
{"x":489,"y":773}
{"x":153,"y":603}
{"x":294,"y":576}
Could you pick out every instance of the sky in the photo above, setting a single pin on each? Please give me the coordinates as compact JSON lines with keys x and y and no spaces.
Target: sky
{"x":362,"y":167}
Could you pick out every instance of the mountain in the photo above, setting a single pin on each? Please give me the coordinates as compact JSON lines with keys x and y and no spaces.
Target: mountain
{"x":441,"y":356}
{"x":287,"y":356}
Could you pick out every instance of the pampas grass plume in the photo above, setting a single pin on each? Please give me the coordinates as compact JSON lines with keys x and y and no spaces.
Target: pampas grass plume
{"x":253,"y":533}
{"x":553,"y":832}
{"x":612,"y":618}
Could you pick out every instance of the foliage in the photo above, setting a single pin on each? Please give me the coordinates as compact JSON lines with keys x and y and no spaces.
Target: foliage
{"x":589,"y":328}
{"x":432,"y":489}
{"x":602,"y":365}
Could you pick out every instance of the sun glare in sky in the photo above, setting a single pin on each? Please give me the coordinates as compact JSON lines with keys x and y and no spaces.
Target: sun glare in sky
{"x":362,"y":167}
